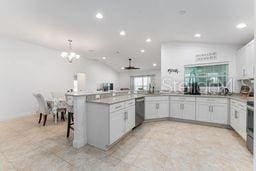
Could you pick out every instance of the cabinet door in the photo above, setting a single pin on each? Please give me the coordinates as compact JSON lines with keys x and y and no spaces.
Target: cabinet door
{"x":150,"y":110}
{"x":130,"y":118}
{"x":203,"y":112}
{"x":176,"y":109}
{"x":242,"y":124}
{"x":250,"y":55}
{"x":233,"y":117}
{"x":219,"y":113}
{"x":116,"y":125}
{"x":189,"y":110}
{"x":162,"y":108}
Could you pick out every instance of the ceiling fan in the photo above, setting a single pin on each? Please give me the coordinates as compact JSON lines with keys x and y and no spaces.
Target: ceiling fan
{"x":130,"y":67}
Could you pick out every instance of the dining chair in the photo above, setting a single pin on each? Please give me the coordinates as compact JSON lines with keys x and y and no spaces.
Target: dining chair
{"x":60,"y":97}
{"x":43,"y":109}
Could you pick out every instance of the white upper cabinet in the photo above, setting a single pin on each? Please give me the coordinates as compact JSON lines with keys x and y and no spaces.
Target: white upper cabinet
{"x":245,"y":61}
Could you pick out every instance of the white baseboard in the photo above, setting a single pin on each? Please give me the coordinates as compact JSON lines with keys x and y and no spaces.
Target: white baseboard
{"x":6,"y":117}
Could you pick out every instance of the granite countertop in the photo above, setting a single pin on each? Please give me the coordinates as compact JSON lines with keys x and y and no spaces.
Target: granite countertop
{"x":241,"y":98}
{"x":117,"y":99}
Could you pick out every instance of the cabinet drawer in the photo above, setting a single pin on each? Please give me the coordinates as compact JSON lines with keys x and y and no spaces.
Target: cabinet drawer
{"x":238,"y":105}
{"x":183,"y":98}
{"x":117,"y":106}
{"x":129,"y":103}
{"x":157,"y":98}
{"x":212,"y":100}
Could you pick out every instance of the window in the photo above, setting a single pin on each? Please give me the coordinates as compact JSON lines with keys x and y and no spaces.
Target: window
{"x":141,"y":82}
{"x":207,"y":76}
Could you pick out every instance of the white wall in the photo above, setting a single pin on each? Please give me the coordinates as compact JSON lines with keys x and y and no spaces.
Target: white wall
{"x":26,"y":68}
{"x":124,"y":77}
{"x":178,"y":54}
{"x":254,"y":147}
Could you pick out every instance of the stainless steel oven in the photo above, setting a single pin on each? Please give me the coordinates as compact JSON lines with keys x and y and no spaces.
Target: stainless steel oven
{"x":249,"y":125}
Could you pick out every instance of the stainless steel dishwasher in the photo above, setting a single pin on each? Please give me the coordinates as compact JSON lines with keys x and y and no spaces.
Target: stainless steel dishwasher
{"x":139,"y":111}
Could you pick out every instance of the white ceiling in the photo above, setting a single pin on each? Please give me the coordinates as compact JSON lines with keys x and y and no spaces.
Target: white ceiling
{"x":51,"y":22}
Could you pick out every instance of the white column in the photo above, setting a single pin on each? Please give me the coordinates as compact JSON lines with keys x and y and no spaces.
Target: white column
{"x":80,"y":136}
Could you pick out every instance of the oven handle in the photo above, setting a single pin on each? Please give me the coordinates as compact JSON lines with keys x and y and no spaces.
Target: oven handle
{"x":250,"y":108}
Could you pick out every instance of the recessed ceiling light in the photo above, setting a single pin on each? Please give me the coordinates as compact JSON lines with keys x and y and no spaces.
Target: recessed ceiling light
{"x":142,"y":50}
{"x":197,"y":35}
{"x":182,"y":12}
{"x":241,"y":25}
{"x":148,"y":40}
{"x":99,"y":15}
{"x":122,"y":68}
{"x":122,"y":33}
{"x":154,"y":64}
{"x":104,"y":57}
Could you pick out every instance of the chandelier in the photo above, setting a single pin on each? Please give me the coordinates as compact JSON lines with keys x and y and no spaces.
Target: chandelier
{"x":70,"y":56}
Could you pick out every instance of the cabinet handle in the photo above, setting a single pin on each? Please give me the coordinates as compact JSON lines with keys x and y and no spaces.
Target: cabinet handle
{"x":236,"y":116}
{"x":209,"y":109}
{"x":157,"y":105}
{"x":182,"y":106}
{"x":212,"y":108}
{"x":125,"y":115}
{"x":118,"y":106}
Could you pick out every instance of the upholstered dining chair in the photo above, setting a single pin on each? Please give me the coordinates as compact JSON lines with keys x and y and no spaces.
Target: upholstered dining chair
{"x":59,"y":97}
{"x":43,"y":109}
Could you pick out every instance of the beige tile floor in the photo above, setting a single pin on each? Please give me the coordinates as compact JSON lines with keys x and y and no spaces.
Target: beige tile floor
{"x":165,"y":145}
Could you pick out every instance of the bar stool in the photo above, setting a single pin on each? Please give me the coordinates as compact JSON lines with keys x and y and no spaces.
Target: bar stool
{"x":70,"y":110}
{"x":70,"y":123}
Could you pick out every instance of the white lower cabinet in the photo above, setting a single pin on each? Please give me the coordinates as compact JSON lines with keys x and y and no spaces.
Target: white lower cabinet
{"x":116,"y":125}
{"x":189,"y":110}
{"x":212,"y":110}
{"x":203,"y":112}
{"x":176,"y":109}
{"x":130,"y":118}
{"x":156,"y":107}
{"x":121,"y":122}
{"x":238,"y":117}
{"x":182,"y":110}
{"x":219,"y":113}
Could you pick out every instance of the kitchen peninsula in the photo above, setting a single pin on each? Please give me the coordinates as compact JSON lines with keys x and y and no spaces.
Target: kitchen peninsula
{"x":102,"y":122}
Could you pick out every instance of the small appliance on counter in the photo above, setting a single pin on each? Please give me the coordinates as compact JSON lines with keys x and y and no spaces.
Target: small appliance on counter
{"x":249,"y":125}
{"x":245,"y":91}
{"x":107,"y":86}
{"x":225,"y":91}
{"x":194,"y":89}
